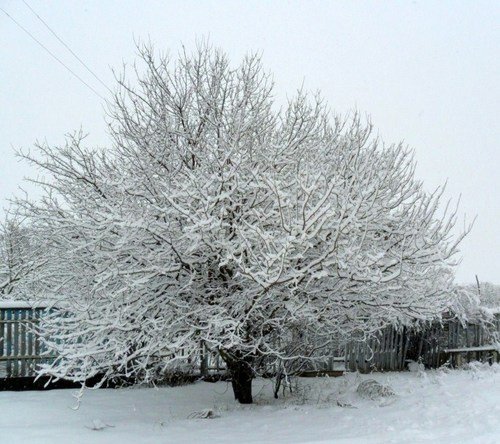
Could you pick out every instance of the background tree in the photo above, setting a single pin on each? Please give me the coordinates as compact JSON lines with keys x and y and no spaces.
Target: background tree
{"x":490,"y":295}
{"x":216,"y":217}
{"x":18,"y":251}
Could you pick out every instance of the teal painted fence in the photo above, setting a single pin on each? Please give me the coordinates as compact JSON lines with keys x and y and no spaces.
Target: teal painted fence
{"x":20,"y":346}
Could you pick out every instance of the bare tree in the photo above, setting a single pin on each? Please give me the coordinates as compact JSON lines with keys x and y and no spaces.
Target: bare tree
{"x":215,"y":217}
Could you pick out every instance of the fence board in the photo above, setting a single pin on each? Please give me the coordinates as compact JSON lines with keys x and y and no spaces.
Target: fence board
{"x":30,"y":349}
{"x":3,"y":371}
{"x":22,"y":334}
{"x":8,"y":339}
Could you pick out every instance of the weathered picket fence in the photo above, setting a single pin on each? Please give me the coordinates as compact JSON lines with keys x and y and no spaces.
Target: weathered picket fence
{"x":209,"y":362}
{"x":450,"y":342}
{"x":473,"y":342}
{"x":20,"y":345}
{"x":386,"y":351}
{"x":21,"y":349}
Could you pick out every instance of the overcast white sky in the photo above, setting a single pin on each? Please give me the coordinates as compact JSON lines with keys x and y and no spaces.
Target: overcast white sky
{"x":427,"y":73}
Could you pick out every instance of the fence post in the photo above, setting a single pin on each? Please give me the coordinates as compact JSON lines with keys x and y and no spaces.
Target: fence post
{"x":8,"y":339}
{"x":2,"y":342}
{"x":22,"y":333}
{"x":203,"y":359}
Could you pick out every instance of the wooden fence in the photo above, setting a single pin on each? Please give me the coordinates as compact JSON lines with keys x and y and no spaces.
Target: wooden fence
{"x":20,"y":346}
{"x":386,"y":351}
{"x":209,"y":362}
{"x":451,"y":342}
{"x":21,"y":350}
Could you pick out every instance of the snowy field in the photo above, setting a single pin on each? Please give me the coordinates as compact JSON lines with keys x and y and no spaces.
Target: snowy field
{"x":460,"y":406}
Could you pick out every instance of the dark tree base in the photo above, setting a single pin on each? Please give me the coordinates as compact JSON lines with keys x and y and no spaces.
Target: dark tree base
{"x":241,"y":379}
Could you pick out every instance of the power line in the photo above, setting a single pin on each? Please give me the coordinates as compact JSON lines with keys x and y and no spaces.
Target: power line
{"x":67,"y":47}
{"x":52,"y":54}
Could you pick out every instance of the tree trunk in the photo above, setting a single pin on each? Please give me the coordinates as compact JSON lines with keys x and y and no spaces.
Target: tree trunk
{"x":241,"y":372}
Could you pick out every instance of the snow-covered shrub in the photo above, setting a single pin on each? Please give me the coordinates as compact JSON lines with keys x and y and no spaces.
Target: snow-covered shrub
{"x":371,"y":389}
{"x":415,"y":367}
{"x":203,"y":414}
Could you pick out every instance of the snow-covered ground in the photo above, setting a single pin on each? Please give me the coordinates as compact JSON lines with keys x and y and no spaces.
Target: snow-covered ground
{"x":459,"y":406}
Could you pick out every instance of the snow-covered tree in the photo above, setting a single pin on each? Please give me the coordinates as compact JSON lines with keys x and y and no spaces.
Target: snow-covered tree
{"x":476,"y":302}
{"x":489,"y":295}
{"x":17,"y":257}
{"x":216,"y":217}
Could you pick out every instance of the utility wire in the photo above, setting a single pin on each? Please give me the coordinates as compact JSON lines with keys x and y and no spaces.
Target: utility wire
{"x":52,"y":54}
{"x":67,"y":47}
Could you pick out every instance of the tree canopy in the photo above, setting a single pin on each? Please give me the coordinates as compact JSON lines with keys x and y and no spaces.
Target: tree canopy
{"x":215,"y":216}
